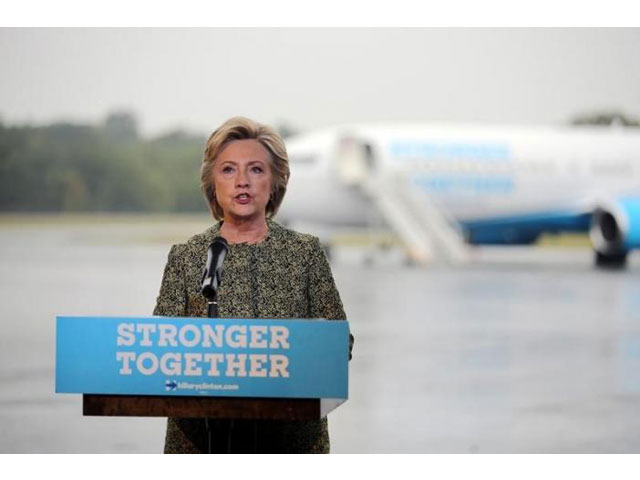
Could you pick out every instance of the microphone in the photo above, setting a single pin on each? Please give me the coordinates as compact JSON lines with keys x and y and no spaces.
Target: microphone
{"x":216,"y":253}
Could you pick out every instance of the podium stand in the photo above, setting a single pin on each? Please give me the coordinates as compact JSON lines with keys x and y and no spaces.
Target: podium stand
{"x":208,"y":407}
{"x":203,"y":368}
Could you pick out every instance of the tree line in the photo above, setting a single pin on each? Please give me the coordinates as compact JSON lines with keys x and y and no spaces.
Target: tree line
{"x":66,"y":167}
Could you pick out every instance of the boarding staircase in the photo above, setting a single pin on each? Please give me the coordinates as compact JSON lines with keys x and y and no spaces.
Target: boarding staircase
{"x":425,"y":229}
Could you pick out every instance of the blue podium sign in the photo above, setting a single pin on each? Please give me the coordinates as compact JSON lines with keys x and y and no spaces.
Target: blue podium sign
{"x":202,"y":356}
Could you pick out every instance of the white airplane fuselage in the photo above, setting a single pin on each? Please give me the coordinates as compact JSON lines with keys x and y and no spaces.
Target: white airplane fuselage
{"x":513,"y":175}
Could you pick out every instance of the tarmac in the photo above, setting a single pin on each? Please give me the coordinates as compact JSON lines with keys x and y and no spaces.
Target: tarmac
{"x":521,"y":350}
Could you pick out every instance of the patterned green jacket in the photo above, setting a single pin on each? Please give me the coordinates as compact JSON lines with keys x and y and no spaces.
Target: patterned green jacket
{"x":284,"y":276}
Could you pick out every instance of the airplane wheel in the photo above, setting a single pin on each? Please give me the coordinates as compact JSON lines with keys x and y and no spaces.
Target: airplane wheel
{"x":613,"y":261}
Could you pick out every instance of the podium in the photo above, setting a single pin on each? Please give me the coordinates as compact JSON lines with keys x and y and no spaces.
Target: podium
{"x":269,"y":369}
{"x":213,"y":407}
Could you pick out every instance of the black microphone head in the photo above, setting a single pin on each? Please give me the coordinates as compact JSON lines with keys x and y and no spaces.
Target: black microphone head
{"x":219,"y":242}
{"x":216,"y":253}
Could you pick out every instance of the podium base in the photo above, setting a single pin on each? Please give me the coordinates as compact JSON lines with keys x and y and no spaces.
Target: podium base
{"x":208,"y":407}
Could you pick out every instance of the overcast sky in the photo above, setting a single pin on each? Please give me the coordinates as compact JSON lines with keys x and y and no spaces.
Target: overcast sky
{"x":196,"y":78}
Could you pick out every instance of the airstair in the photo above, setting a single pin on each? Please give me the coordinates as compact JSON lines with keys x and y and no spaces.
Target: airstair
{"x":428,"y":234}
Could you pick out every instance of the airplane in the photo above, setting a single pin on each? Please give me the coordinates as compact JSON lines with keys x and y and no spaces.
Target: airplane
{"x":452,"y":185}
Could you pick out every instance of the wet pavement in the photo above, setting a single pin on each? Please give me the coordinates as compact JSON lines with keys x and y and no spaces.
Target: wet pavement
{"x":522,"y":350}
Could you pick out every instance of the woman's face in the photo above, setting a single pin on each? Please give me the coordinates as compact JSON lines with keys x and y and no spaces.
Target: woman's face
{"x":242,"y":179}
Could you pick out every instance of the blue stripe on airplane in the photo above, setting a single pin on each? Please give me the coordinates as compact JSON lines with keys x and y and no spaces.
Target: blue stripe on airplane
{"x":523,"y":229}
{"x":476,"y":184}
{"x":449,"y":150}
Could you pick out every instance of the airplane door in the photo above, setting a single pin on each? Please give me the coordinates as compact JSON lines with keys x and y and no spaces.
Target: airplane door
{"x":355,"y":161}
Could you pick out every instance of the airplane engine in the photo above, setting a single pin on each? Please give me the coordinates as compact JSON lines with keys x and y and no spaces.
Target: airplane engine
{"x":615,"y":229}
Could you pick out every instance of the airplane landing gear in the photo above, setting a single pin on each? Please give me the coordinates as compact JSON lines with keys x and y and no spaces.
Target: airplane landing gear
{"x":614,"y":261}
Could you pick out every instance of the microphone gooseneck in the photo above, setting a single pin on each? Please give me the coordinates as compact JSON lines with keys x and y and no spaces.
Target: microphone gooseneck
{"x":216,"y":254}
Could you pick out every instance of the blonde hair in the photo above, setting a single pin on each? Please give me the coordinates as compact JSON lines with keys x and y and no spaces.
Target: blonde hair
{"x":241,"y":128}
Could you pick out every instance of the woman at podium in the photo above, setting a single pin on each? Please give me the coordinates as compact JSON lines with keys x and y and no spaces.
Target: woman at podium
{"x":269,"y":272}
